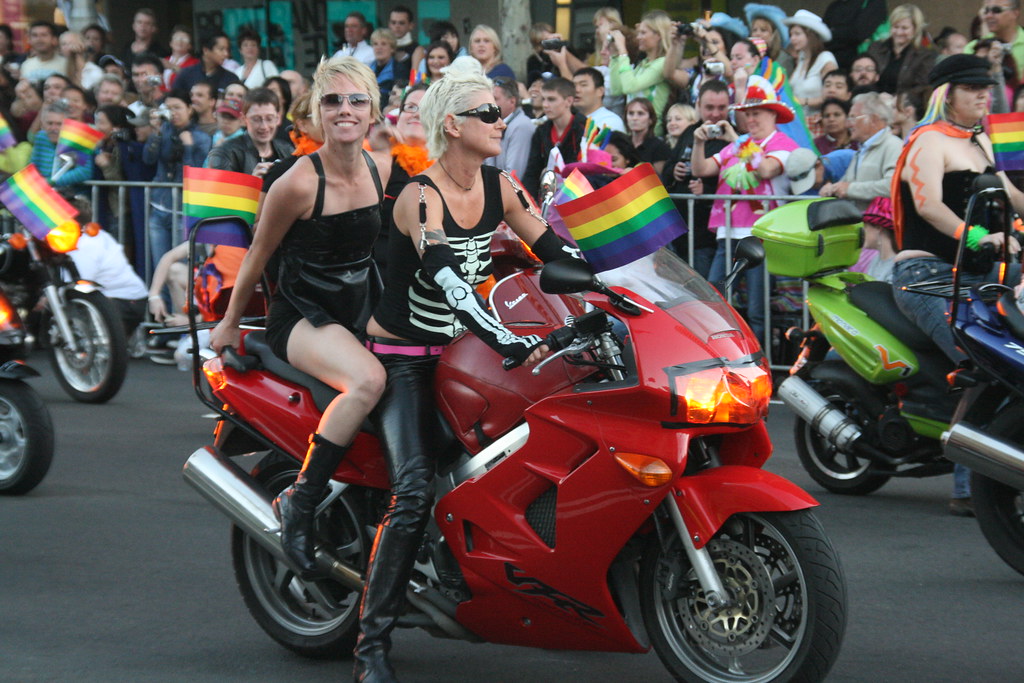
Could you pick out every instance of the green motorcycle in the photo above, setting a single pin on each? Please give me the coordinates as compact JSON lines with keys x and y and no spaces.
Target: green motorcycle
{"x":869,"y":387}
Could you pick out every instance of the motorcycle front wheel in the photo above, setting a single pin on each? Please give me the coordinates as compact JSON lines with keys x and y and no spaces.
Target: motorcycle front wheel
{"x":26,"y":438}
{"x":95,"y":372}
{"x":1000,"y":512}
{"x":316,"y":619}
{"x":787,"y":615}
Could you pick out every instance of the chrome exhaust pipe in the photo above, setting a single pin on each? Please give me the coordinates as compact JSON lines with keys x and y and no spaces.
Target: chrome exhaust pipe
{"x":987,"y":455}
{"x":235,"y":493}
{"x":826,"y":419}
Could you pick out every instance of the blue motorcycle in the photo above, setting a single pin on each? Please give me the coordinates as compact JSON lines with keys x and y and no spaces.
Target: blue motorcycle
{"x":987,"y":433}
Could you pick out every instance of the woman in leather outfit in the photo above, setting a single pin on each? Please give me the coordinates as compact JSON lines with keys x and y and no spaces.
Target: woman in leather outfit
{"x":321,"y":218}
{"x":931,"y":188}
{"x":439,"y":251}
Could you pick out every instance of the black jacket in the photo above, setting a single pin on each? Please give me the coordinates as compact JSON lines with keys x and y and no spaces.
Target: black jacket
{"x":240,"y":155}
{"x":852,"y":22}
{"x":702,"y":237}
{"x":541,"y":146}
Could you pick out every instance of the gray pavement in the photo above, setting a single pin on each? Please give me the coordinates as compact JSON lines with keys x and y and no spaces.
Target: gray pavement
{"x":115,"y":570}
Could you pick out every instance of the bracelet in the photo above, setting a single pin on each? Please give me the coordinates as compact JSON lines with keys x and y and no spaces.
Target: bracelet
{"x":974,"y":237}
{"x":155,"y":297}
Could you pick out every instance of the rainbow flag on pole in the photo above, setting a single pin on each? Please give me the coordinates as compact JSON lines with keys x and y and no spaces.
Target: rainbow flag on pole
{"x":32,"y":200}
{"x":1007,"y":134}
{"x":6,"y":136}
{"x":628,"y":218}
{"x":209,"y":193}
{"x":78,"y":139}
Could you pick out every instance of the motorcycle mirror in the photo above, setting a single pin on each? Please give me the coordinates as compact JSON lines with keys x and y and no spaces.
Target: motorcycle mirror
{"x":986,"y":181}
{"x":749,"y":253}
{"x":547,"y":182}
{"x":567,"y":276}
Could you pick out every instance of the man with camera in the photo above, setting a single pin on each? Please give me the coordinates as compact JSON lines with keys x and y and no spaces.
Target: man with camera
{"x":257,"y":150}
{"x":1001,"y":19}
{"x":678,"y":176}
{"x":175,"y":143}
{"x":147,"y":79}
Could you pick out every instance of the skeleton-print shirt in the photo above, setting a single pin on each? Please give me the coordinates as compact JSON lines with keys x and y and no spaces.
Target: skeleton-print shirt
{"x":413,"y":306}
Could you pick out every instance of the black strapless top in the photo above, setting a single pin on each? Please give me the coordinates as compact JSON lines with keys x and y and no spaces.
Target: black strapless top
{"x":326,"y":271}
{"x":919,"y":233}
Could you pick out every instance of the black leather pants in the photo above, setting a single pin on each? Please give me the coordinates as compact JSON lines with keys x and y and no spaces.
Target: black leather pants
{"x":407,"y":425}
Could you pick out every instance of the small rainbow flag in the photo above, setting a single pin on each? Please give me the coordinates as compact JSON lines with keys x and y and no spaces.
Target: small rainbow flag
{"x":209,"y":192}
{"x":32,"y":200}
{"x":6,"y":136}
{"x":78,"y":139}
{"x":628,"y":218}
{"x":574,"y":187}
{"x":1007,"y":134}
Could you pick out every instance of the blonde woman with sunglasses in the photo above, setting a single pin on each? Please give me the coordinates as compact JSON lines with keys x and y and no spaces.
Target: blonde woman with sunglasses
{"x":439,"y":251}
{"x":322,"y":218}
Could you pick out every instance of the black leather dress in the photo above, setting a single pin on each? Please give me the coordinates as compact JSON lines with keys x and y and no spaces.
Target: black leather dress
{"x":327,"y":273}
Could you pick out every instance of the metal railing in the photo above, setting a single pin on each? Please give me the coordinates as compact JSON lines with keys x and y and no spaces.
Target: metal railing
{"x":769,"y":343}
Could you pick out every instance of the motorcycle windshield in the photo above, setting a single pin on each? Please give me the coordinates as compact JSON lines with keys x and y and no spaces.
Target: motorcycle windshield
{"x":667,"y":281}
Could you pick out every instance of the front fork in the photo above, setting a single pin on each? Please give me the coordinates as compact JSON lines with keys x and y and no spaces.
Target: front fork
{"x":55,"y":300}
{"x":700,"y":560}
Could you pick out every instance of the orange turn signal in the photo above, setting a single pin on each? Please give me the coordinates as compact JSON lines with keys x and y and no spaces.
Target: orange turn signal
{"x":645,"y":469}
{"x":64,"y":237}
{"x":18,"y":241}
{"x":92,"y":228}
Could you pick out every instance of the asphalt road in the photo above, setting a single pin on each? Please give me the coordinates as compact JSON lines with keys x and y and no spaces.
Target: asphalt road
{"x":113,"y":569}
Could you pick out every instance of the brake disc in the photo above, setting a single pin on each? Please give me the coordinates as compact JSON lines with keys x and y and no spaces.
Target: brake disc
{"x":743,"y":625}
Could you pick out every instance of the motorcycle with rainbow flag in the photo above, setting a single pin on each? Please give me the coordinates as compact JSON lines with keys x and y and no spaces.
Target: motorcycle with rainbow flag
{"x":611,"y":498}
{"x":79,"y":327}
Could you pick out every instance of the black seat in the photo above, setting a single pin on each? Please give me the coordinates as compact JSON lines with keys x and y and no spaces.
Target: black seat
{"x":875,"y":298}
{"x":832,"y":213}
{"x":256,"y":345}
{"x":1011,"y":315}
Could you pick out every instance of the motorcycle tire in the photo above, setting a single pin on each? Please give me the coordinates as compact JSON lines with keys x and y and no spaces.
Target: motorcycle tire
{"x":26,"y":438}
{"x":96,"y":372}
{"x":787,"y":617}
{"x":1000,"y":512}
{"x":838,"y":472}
{"x":316,"y":619}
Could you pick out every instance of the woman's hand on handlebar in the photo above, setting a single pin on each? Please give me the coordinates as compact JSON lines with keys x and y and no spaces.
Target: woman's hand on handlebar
{"x":537,"y":355}
{"x":225,"y":334}
{"x":996,"y":240}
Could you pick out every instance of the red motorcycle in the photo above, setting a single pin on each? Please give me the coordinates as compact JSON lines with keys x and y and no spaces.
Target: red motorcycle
{"x":611,"y":498}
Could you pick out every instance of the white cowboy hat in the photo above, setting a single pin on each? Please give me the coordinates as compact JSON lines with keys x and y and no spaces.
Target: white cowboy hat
{"x":810,"y":21}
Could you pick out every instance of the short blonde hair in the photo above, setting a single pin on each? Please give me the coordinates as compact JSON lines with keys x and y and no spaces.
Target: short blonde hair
{"x":916,"y":16}
{"x":450,"y":95}
{"x":492,"y":36}
{"x":610,"y":13}
{"x":384,"y":34}
{"x":355,"y":71}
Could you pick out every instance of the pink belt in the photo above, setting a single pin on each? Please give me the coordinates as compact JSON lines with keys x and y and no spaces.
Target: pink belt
{"x":402,"y":350}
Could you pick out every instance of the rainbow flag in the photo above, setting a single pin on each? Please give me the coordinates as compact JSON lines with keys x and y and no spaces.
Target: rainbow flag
{"x":212,"y":193}
{"x":78,"y":139}
{"x":574,"y":187}
{"x":628,"y":218}
{"x":6,"y":136}
{"x":1007,"y":134}
{"x":32,"y":200}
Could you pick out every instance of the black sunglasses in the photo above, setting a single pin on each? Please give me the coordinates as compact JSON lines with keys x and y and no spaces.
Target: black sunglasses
{"x":488,"y":113}
{"x":993,"y":9}
{"x":358,"y":100}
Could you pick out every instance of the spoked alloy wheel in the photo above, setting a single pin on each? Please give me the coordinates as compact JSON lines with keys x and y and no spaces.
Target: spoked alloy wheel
{"x":95,"y":372}
{"x":313,"y":618}
{"x":837,"y":471}
{"x":26,"y":438}
{"x":788,"y":609}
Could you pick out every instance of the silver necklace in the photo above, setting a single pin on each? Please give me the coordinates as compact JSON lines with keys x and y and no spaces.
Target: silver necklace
{"x":457,"y":183}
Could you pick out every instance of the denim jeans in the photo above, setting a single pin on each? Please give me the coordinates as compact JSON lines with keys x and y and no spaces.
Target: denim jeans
{"x":754,"y":278}
{"x":162,"y":234}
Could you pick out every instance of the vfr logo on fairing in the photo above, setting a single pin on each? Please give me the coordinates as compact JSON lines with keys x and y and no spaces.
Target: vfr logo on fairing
{"x":1015,"y":347}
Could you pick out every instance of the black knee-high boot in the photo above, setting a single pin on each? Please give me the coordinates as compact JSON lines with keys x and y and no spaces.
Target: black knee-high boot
{"x":296,"y":505}
{"x":394,"y":553}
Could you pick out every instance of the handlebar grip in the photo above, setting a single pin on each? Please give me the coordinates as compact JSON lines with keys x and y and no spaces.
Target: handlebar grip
{"x":510,"y":363}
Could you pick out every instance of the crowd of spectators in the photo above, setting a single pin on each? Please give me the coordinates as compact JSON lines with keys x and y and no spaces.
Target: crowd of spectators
{"x":856,"y":81}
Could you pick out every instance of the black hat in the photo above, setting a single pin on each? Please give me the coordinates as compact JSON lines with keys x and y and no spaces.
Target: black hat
{"x":961,"y":69}
{"x":110,"y":59}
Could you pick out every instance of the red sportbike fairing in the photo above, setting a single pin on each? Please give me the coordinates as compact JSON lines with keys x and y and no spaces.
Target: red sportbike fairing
{"x":611,"y":498}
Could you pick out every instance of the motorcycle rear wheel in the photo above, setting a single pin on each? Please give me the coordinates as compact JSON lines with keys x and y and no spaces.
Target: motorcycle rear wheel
{"x":95,"y":373}
{"x":316,"y":619}
{"x":26,"y":438}
{"x":787,"y":621}
{"x":838,"y":472}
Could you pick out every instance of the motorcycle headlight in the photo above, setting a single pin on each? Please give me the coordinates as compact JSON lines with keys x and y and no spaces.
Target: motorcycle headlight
{"x":64,"y":237}
{"x":726,"y":395}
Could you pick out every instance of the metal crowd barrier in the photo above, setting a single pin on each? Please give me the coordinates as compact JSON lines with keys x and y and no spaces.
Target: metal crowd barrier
{"x":771,"y":343}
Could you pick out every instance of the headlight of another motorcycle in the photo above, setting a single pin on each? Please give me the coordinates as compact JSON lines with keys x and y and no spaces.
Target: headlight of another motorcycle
{"x":64,"y":237}
{"x":737,"y":395}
